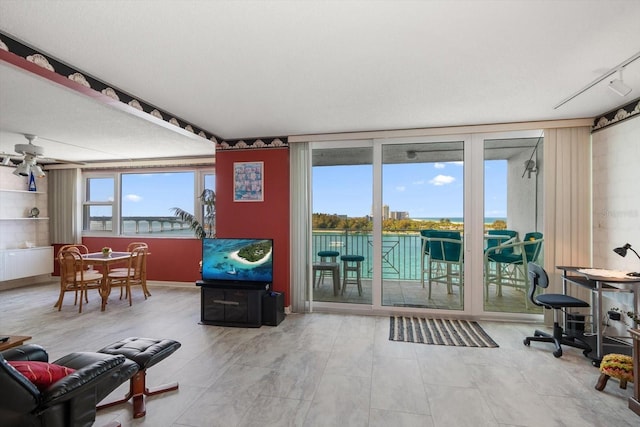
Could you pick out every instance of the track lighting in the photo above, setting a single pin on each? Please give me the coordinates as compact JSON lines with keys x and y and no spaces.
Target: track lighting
{"x":618,"y":86}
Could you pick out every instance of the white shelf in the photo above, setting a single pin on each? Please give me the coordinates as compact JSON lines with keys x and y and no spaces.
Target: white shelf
{"x":23,"y":219}
{"x":22,"y":191}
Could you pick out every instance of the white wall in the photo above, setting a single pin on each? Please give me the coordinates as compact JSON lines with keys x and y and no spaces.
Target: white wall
{"x":616,"y":204}
{"x":524,"y":195}
{"x":616,"y":194}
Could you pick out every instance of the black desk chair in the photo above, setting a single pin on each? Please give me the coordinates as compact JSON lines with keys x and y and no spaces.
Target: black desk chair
{"x":556,"y":302}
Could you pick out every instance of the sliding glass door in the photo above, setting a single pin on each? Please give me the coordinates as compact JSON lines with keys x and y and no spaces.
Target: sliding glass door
{"x":342,"y":224}
{"x":412,"y":224}
{"x":422,"y":257}
{"x":512,"y":220}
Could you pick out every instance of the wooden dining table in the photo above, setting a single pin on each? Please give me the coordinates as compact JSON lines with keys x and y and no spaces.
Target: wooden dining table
{"x":98,"y":258}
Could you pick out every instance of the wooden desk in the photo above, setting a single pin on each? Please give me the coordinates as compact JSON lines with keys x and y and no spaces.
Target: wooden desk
{"x":13,"y":341}
{"x":634,"y":401}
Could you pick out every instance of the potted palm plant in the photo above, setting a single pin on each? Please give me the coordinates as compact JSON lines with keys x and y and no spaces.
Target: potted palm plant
{"x":207,"y":227}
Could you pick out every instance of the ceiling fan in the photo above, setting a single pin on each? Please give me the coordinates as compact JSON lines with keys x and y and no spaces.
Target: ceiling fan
{"x":31,"y":155}
{"x":29,"y":163}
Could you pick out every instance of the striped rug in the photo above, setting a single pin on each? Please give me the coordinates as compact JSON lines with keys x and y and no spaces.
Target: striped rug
{"x":461,"y":333}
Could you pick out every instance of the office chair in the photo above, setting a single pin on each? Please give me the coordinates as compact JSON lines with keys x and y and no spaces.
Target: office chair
{"x":556,"y":302}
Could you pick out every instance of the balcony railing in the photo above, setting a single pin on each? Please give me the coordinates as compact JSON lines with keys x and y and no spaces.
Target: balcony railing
{"x":401,"y":250}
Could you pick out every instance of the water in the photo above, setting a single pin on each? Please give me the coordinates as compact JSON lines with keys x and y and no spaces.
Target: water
{"x":401,"y":252}
{"x":487,"y":220}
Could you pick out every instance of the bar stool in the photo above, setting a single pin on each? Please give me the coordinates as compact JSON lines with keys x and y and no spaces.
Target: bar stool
{"x":325,"y":258}
{"x":348,"y":265}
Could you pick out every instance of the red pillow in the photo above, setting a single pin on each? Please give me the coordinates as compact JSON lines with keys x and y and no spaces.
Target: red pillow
{"x":41,"y":374}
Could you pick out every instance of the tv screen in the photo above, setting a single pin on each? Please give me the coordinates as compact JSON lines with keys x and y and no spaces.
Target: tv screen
{"x":238,"y":260}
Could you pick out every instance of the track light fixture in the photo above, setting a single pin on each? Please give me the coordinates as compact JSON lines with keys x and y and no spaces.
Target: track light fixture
{"x":618,"y":86}
{"x":610,"y":72}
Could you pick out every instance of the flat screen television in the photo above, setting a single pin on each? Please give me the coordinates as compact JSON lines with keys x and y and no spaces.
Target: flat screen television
{"x":237,"y":260}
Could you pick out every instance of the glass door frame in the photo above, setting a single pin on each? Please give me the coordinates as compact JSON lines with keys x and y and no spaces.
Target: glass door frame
{"x":473,"y":211}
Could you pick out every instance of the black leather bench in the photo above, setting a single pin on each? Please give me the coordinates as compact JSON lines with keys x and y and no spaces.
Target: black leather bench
{"x":145,"y":352}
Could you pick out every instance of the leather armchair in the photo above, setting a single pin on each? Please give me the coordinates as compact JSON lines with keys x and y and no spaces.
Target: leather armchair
{"x":69,"y":402}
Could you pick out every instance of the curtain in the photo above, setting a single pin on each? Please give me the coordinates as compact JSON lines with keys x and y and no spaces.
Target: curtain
{"x":567,"y":204}
{"x":300,"y":190}
{"x":65,"y":207}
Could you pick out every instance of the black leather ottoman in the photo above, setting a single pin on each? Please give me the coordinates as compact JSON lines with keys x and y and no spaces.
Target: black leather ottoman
{"x":145,"y":352}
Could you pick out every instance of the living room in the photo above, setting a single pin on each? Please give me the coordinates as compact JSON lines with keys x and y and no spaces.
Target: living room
{"x":587,"y":216}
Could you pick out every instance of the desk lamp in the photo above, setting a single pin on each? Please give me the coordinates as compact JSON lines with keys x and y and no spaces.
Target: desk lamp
{"x":622,"y":251}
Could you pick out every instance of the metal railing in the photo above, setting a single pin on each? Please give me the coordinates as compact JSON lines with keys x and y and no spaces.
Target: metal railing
{"x":401,"y":250}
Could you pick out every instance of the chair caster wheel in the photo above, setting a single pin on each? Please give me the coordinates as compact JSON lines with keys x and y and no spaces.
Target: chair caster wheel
{"x":557,"y":353}
{"x":526,"y":342}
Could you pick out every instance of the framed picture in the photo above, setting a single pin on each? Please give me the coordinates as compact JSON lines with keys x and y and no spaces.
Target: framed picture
{"x":248,"y":182}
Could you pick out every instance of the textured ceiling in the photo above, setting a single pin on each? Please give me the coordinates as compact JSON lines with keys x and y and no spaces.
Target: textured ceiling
{"x":276,"y":68}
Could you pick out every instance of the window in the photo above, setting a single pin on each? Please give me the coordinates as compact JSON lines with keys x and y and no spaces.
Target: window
{"x":144,"y":203}
{"x":97,"y":212}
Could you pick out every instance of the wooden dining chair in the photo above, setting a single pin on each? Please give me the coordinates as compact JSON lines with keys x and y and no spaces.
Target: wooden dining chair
{"x":74,"y":277}
{"x":130,"y":247}
{"x":134,"y":274}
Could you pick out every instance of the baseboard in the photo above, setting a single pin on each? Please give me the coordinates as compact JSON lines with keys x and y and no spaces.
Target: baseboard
{"x":167,"y":284}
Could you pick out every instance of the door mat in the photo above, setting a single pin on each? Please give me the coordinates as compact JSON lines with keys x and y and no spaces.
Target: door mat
{"x":462,"y":333}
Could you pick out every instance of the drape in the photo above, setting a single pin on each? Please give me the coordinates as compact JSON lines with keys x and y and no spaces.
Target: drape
{"x":300,"y":190}
{"x":567,"y":203}
{"x":65,"y":205}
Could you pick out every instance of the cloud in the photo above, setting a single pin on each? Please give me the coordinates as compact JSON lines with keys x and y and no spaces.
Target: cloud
{"x":133,"y":198}
{"x":439,"y":165}
{"x":401,"y":188}
{"x":442,"y":180}
{"x":420,"y":182}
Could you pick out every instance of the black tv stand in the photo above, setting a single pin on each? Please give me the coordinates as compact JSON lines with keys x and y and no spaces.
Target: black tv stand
{"x":226,"y":303}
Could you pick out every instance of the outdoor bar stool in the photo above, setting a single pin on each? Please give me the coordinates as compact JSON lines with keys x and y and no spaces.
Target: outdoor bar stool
{"x":351,"y":263}
{"x":326,"y":260}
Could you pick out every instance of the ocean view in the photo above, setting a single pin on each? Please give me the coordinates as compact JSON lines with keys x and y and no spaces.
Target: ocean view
{"x":487,"y":220}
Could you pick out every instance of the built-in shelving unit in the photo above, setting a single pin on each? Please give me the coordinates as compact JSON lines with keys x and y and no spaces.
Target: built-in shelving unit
{"x":25,"y":248}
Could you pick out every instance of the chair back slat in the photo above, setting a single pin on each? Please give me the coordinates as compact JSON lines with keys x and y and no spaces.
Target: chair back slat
{"x":538,"y":278}
{"x":532,"y":250}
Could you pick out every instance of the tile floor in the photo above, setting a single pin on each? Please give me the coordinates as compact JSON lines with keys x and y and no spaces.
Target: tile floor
{"x":410,"y":293}
{"x":322,"y":369}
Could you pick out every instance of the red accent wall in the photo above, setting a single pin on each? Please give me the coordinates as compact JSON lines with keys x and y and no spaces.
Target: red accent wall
{"x":268,"y":219}
{"x":170,"y":260}
{"x":178,"y":259}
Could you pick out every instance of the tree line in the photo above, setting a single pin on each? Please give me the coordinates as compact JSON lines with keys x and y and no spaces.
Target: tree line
{"x":322,"y":221}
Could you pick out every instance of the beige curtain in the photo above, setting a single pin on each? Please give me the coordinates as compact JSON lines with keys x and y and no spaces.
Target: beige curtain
{"x":65,"y":205}
{"x":567,"y":203}
{"x":300,"y":226}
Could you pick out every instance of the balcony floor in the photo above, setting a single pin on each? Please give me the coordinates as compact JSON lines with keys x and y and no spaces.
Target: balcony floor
{"x":410,"y":293}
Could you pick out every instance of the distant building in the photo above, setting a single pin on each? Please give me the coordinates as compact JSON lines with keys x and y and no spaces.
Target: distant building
{"x":399,"y":215}
{"x":385,"y":211}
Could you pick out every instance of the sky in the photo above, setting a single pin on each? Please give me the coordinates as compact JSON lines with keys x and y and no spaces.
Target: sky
{"x":425,"y":190}
{"x":148,"y":194}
